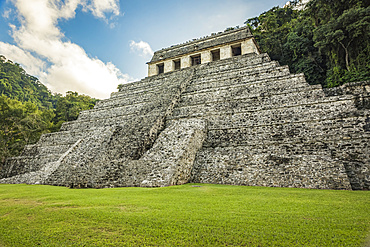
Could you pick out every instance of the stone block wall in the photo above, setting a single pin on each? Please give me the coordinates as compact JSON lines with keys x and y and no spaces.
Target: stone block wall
{"x":243,"y":120}
{"x":267,"y":127}
{"x":202,"y":43}
{"x":223,"y":43}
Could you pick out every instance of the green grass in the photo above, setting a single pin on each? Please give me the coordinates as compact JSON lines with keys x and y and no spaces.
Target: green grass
{"x":210,"y":215}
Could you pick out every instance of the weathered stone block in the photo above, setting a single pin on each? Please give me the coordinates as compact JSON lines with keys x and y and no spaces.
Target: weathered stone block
{"x":175,"y":149}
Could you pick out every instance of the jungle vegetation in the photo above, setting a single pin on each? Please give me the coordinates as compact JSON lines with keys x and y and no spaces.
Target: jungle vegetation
{"x":28,"y":109}
{"x":328,"y":40}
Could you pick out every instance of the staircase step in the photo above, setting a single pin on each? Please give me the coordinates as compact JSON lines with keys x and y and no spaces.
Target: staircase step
{"x":283,"y":115}
{"x":240,"y":104}
{"x":260,"y":85}
{"x":68,"y":137}
{"x":119,"y":119}
{"x":269,"y":75}
{"x":136,"y":109}
{"x":39,"y":148}
{"x":247,"y":90}
{"x":235,"y":63}
{"x":239,"y":72}
{"x":153,"y":83}
{"x":267,"y":166}
{"x":291,"y":133}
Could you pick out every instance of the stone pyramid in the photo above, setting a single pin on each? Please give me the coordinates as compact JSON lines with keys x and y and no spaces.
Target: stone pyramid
{"x":213,"y":110}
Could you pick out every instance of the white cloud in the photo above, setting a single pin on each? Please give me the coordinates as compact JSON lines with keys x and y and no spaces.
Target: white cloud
{"x":84,"y":74}
{"x":142,"y":47}
{"x":101,"y":7}
{"x":6,"y":14}
{"x":66,"y":66}
{"x":32,"y":65}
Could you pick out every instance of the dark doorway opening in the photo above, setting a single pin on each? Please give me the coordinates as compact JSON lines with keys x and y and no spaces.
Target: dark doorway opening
{"x":215,"y":55}
{"x":160,"y":68}
{"x":177,"y":64}
{"x":195,"y":60}
{"x":236,"y":50}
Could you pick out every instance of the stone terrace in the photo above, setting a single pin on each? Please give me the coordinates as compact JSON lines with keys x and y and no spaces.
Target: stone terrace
{"x":243,"y":120}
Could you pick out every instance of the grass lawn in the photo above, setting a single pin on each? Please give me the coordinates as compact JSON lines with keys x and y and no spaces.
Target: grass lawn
{"x":186,"y":215}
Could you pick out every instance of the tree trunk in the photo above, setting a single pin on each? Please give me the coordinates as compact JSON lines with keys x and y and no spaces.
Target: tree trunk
{"x":347,"y":54}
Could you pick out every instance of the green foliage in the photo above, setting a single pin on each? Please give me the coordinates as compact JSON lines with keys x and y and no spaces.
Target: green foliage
{"x":20,"y":124}
{"x":120,"y":87}
{"x":231,"y":28}
{"x":206,"y":215}
{"x":270,"y":28}
{"x":28,"y":109}
{"x":328,"y":41}
{"x":340,"y":34}
{"x":68,"y":107}
{"x":15,"y":83}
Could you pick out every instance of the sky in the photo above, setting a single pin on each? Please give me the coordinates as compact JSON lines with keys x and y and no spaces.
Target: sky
{"x":91,"y":46}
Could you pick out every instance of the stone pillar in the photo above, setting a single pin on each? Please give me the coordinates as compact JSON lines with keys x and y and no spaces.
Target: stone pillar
{"x":248,"y":46}
{"x":185,"y":62}
{"x":225,"y":52}
{"x":152,"y":69}
{"x":169,"y":66}
{"x":206,"y":56}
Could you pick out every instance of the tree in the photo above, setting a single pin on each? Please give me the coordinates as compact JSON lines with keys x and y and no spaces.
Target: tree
{"x":20,"y":124}
{"x":342,"y":32}
{"x":28,"y":109}
{"x":17,"y":84}
{"x":328,"y":40}
{"x":69,"y":107}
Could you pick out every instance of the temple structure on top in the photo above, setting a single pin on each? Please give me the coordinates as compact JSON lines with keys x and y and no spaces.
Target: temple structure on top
{"x":212,"y":110}
{"x":216,"y":47}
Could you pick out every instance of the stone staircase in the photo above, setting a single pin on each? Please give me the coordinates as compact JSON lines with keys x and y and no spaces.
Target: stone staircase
{"x":244,"y":120}
{"x":267,"y":127}
{"x":39,"y":176}
{"x":122,"y":127}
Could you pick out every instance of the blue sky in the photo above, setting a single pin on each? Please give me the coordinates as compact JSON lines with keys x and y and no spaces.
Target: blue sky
{"x":90,"y":46}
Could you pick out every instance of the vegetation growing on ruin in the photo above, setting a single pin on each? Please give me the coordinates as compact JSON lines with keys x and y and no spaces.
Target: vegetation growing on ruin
{"x":328,"y":41}
{"x":187,"y":215}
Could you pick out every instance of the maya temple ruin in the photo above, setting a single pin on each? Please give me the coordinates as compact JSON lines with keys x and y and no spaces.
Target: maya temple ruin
{"x":212,"y":110}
